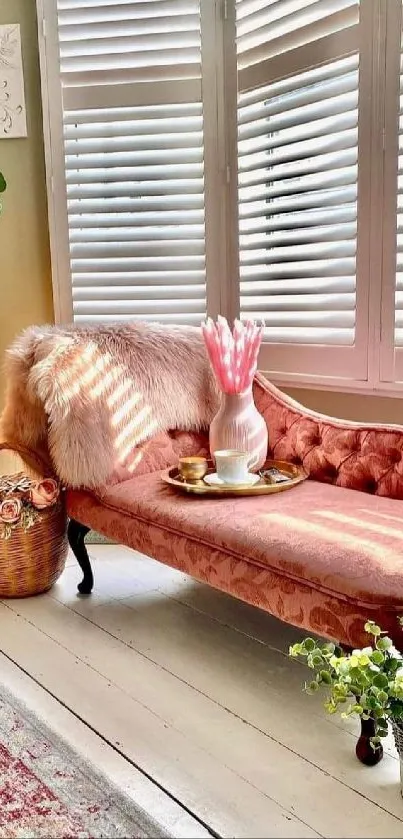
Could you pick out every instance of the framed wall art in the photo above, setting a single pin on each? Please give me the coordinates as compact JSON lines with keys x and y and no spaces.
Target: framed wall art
{"x":13,"y":121}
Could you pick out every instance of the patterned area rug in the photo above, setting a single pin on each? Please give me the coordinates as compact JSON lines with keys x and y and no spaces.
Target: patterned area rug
{"x":47,"y":790}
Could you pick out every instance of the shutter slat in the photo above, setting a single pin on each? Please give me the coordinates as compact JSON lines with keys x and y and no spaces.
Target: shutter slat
{"x":80,"y":123}
{"x":96,"y":221}
{"x":300,"y":236}
{"x":138,"y":307}
{"x":131,"y":174}
{"x":141,"y":263}
{"x":92,"y":11}
{"x":136,"y":205}
{"x":158,"y":316}
{"x":293,"y":220}
{"x":320,"y":336}
{"x":299,"y":269}
{"x":109,"y":250}
{"x":117,"y":235}
{"x":86,"y":32}
{"x":143,"y":188}
{"x":140,"y":160}
{"x":282,"y":304}
{"x":267,"y":287}
{"x":129,"y":280}
{"x":134,"y":158}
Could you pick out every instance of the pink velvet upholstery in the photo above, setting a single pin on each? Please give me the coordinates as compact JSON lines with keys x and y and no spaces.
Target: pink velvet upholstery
{"x":364,"y":457}
{"x":322,"y":557}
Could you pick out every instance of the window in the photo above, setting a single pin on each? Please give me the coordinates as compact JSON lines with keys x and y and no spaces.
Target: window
{"x":241,"y":156}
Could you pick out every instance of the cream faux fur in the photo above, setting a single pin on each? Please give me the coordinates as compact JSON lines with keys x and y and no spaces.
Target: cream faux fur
{"x":89,"y":395}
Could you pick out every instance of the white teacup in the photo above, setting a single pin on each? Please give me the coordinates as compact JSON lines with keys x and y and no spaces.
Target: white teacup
{"x":233,"y":466}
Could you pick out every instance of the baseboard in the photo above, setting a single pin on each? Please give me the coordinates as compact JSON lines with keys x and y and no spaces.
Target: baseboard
{"x":94,"y":538}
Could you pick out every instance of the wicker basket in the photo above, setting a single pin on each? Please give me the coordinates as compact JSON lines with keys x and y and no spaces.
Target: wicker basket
{"x":31,"y":560}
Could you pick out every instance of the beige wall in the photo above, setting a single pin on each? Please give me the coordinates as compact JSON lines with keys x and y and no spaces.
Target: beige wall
{"x":25,"y":279}
{"x":351,"y":406}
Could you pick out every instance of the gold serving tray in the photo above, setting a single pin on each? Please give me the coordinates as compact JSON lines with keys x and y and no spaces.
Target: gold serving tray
{"x":296,"y":476}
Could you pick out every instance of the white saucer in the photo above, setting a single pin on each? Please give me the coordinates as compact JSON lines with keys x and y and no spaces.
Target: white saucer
{"x":214,"y":481}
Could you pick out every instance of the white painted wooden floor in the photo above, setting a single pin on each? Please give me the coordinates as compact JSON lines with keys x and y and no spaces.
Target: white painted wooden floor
{"x":186,"y":698}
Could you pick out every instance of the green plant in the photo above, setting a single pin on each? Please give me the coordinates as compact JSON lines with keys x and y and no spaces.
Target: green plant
{"x":367,"y":683}
{"x":3,"y":186}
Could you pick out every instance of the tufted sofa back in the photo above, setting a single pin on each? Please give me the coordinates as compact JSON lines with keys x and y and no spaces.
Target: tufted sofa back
{"x":368,"y":458}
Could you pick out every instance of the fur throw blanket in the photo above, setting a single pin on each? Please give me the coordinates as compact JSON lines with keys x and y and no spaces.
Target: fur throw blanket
{"x":88,"y":396}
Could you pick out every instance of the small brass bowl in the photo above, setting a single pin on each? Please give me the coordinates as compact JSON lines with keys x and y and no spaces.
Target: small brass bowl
{"x":193,"y":468}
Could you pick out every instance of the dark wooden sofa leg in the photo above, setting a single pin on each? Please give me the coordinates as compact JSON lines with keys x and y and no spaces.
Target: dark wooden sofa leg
{"x":76,"y":533}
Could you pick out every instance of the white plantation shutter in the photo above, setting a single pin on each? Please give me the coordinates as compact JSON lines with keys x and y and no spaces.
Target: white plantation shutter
{"x":298,"y":106}
{"x":134,"y":158}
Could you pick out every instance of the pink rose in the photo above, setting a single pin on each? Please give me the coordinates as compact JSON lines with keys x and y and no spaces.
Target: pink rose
{"x":44,"y":493}
{"x":10,"y":510}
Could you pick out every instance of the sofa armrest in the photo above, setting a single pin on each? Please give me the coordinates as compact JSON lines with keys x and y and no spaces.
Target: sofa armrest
{"x":366,"y":457}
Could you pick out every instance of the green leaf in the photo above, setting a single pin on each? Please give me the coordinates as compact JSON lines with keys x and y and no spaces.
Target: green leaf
{"x":380,"y":680}
{"x":309,"y":645}
{"x":377,"y":657}
{"x":364,"y":660}
{"x":2,"y":182}
{"x":383,"y":643}
{"x":330,"y":707}
{"x":372,"y":628}
{"x":325,"y":677}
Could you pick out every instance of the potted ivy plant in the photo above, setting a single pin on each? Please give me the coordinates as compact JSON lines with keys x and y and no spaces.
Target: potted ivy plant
{"x":365,"y":682}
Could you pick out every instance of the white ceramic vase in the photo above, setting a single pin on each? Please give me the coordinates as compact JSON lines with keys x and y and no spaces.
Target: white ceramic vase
{"x":239,"y":425}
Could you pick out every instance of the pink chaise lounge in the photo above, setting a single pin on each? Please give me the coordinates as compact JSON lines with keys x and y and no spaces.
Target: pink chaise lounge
{"x":325,"y":556}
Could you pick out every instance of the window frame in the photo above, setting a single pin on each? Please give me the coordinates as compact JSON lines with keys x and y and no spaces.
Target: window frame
{"x":391,"y":357}
{"x":377,"y":368}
